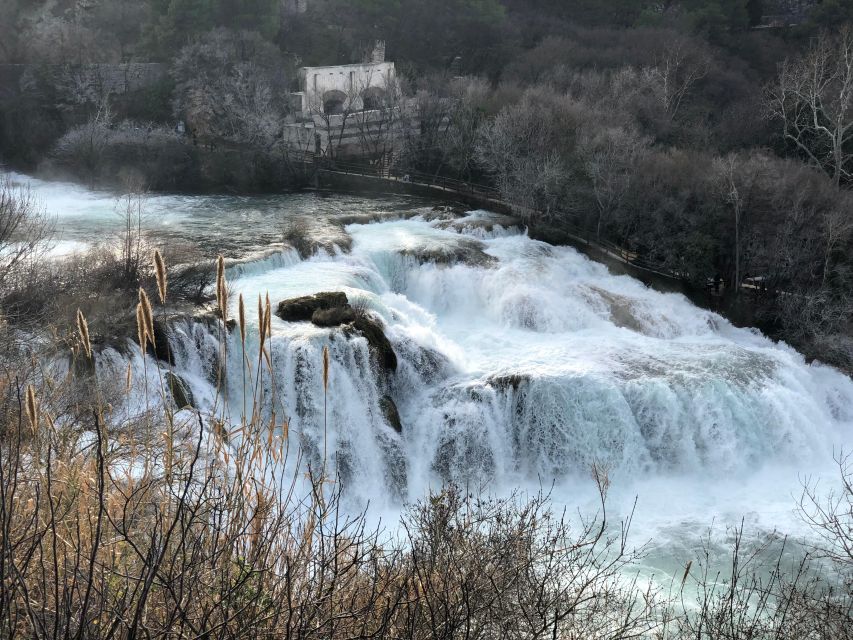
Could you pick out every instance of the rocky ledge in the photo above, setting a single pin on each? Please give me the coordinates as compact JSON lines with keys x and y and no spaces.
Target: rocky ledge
{"x":332,"y":309}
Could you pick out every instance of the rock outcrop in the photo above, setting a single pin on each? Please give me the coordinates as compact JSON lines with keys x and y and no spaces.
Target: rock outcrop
{"x":332,"y":309}
{"x":380,"y":346}
{"x":180,"y":390}
{"x":302,"y":309}
{"x":334,"y":317}
{"x":465,"y":251}
{"x":161,"y":349}
{"x":392,"y":415}
{"x":508,"y":381}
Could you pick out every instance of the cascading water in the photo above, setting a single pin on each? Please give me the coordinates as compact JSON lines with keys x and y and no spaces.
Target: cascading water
{"x":521,"y":364}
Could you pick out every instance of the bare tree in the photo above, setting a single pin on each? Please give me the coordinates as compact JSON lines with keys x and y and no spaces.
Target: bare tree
{"x":85,"y":144}
{"x":25,"y":229}
{"x":525,"y":148}
{"x":382,"y":122}
{"x":449,"y":113}
{"x":610,"y":155}
{"x":368,"y":112}
{"x":675,"y":74}
{"x":837,"y":230}
{"x":813,"y":101}
{"x":130,"y":209}
{"x":734,"y":196}
{"x":830,"y":515}
{"x":231,"y":86}
{"x":333,"y":122}
{"x":431,"y":108}
{"x":252,"y":107}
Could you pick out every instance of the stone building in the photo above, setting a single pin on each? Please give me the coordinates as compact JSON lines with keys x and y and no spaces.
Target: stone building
{"x":343,"y":88}
{"x":348,"y":110}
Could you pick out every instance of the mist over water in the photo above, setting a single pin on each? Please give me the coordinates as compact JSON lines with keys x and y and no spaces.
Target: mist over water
{"x":520,"y":364}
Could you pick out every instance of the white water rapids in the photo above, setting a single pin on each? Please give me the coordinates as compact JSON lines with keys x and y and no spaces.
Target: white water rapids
{"x":521,"y":364}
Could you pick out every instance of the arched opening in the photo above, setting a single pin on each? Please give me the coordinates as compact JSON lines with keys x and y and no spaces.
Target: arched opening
{"x":373,"y":98}
{"x":333,"y":102}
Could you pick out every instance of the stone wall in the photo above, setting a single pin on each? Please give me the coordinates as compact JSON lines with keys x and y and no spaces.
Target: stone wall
{"x":350,"y":81}
{"x":86,"y":82}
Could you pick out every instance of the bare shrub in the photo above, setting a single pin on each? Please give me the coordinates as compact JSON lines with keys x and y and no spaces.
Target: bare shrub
{"x":25,"y":230}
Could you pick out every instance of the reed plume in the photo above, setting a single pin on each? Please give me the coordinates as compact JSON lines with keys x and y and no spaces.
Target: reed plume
{"x":325,"y":368}
{"x":221,"y":291}
{"x":261,"y":322}
{"x":268,"y":315}
{"x":32,"y":408}
{"x":169,"y":441}
{"x":141,"y":330}
{"x":259,"y":517}
{"x":241,"y":311}
{"x":160,"y":269}
{"x":147,"y":315}
{"x":83,"y":329}
{"x":686,"y":572}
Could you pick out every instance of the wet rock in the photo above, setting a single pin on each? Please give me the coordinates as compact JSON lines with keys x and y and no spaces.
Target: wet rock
{"x":431,"y":365}
{"x":380,"y":346}
{"x":468,"y":252}
{"x":445,"y":212}
{"x":367,"y":217}
{"x":161,"y":349}
{"x":486,"y":225}
{"x":308,"y":236}
{"x":392,"y":415}
{"x":373,"y":331}
{"x":509,"y":381}
{"x":621,"y":310}
{"x":81,"y":366}
{"x":463,"y":458}
{"x":180,"y":390}
{"x":395,"y":464}
{"x":333,"y":317}
{"x":303,"y":308}
{"x":332,"y":309}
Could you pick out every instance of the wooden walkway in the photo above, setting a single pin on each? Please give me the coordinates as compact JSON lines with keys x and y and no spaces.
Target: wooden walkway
{"x":489,"y":197}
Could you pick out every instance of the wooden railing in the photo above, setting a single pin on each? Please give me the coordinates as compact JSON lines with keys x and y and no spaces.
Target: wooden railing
{"x":414,"y":177}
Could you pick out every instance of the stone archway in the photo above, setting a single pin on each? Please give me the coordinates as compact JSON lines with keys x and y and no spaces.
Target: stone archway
{"x":333,"y":102}
{"x":373,"y":98}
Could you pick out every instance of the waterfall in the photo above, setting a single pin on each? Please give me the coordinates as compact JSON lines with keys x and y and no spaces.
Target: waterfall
{"x":518,"y":365}
{"x":517,"y":362}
